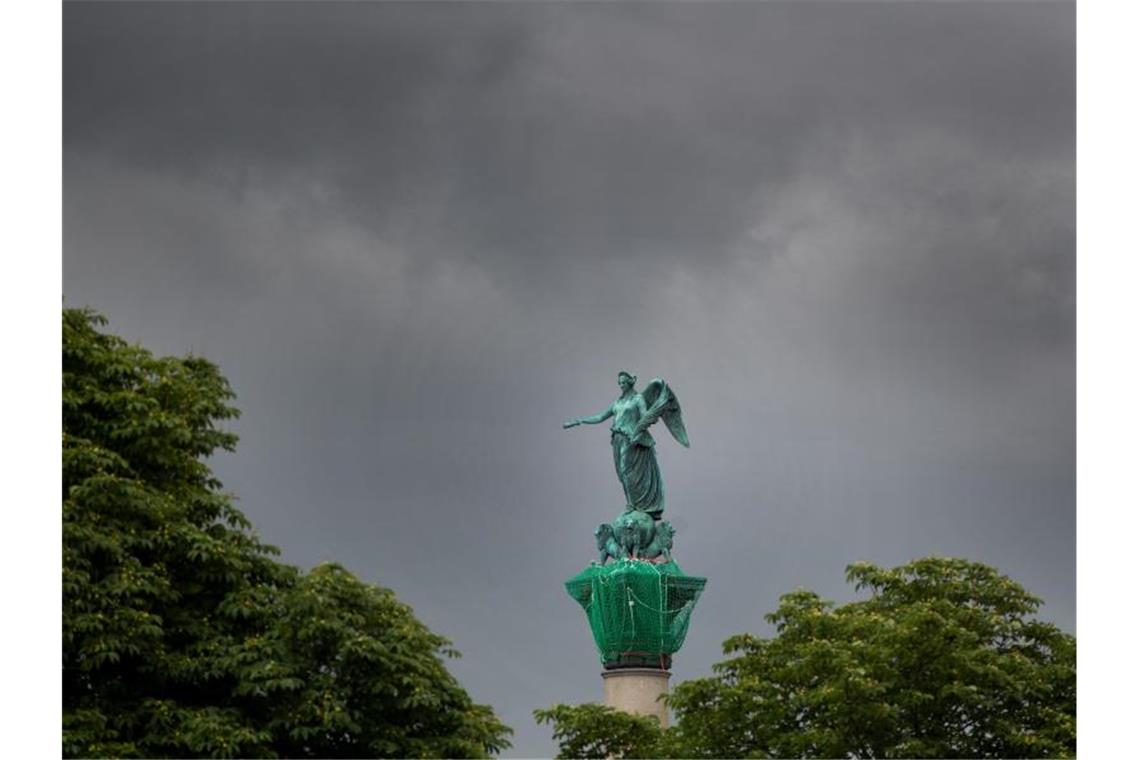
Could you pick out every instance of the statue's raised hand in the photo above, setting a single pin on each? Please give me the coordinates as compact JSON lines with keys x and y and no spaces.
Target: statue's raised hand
{"x":571,"y":423}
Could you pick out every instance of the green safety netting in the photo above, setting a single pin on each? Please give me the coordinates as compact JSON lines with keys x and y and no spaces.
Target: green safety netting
{"x":638,"y":611}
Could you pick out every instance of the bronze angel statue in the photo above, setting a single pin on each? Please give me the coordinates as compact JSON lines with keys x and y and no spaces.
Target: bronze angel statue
{"x":634,"y":457}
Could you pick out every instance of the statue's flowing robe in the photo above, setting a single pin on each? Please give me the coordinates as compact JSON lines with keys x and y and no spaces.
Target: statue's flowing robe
{"x":636,"y":465}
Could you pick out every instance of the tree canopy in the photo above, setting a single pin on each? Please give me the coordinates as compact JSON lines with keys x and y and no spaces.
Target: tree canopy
{"x":182,"y":634}
{"x":944,"y":659}
{"x":598,"y":731}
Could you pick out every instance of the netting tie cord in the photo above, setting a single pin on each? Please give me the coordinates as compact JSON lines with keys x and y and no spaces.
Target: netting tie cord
{"x":651,"y":608}
{"x":601,"y":618}
{"x":632,"y":618}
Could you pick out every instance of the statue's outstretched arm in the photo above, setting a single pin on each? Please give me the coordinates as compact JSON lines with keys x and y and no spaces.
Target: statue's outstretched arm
{"x":599,"y":417}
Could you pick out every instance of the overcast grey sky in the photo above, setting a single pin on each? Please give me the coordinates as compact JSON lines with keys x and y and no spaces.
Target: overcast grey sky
{"x":417,"y":238}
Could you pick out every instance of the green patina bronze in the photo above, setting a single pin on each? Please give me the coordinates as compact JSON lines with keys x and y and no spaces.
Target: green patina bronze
{"x":633,"y":447}
{"x":636,"y":598}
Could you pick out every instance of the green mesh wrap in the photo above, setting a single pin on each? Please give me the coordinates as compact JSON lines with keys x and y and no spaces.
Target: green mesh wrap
{"x":638,"y":611}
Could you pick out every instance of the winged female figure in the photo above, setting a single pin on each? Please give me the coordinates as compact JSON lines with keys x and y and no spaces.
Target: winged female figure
{"x":634,"y":456}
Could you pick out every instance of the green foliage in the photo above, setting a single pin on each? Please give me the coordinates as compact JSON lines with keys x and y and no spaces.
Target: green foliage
{"x":589,"y":731}
{"x":368,"y":681}
{"x":943,"y":660}
{"x":182,"y":635}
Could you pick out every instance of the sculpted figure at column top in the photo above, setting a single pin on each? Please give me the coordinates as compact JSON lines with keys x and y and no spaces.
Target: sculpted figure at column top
{"x":635,"y":459}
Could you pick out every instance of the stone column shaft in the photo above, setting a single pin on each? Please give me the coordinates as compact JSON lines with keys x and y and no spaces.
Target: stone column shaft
{"x":636,"y":691}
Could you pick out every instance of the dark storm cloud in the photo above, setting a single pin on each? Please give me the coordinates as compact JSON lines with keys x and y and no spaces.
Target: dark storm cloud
{"x":539,"y":129}
{"x":417,"y":237}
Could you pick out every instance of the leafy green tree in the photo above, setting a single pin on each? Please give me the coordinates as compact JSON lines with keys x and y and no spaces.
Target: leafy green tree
{"x":944,"y":659}
{"x":182,"y":635}
{"x":597,"y":731}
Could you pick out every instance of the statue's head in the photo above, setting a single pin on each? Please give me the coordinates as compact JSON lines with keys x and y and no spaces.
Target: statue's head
{"x":626,"y":380}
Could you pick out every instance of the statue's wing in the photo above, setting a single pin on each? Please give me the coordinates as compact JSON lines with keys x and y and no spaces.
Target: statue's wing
{"x":661,"y":403}
{"x":673,"y":421}
{"x":652,"y":393}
